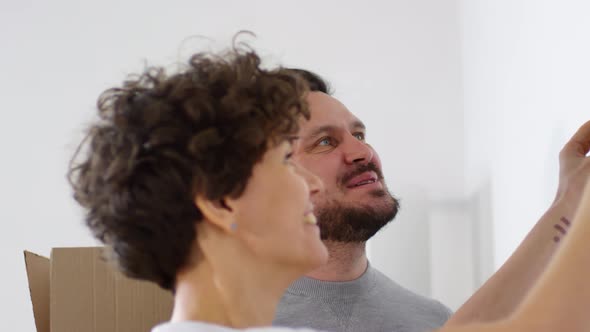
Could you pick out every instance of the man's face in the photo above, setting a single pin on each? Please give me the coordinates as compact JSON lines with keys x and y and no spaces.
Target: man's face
{"x":356,"y":202}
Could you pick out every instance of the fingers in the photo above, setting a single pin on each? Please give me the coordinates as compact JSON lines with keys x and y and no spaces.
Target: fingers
{"x":580,"y":142}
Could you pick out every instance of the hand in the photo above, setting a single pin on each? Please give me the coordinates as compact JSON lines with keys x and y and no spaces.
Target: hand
{"x":574,"y":168}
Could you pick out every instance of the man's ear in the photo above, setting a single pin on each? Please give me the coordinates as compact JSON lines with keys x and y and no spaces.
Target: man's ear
{"x":220,"y":213}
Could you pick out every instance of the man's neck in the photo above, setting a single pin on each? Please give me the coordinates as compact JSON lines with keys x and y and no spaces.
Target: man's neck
{"x":348,"y":261}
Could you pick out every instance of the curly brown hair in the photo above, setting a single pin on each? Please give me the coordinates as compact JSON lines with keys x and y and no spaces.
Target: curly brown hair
{"x":163,"y":139}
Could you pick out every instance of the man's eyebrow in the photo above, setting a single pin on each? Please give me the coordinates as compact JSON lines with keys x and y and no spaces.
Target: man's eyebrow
{"x":329,"y":128}
{"x":358,"y":125}
{"x":320,"y":130}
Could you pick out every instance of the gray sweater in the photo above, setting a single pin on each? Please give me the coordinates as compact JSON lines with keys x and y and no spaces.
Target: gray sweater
{"x":371,"y":303}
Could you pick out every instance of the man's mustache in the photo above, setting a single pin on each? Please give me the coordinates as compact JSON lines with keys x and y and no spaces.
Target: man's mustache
{"x":360,"y":169}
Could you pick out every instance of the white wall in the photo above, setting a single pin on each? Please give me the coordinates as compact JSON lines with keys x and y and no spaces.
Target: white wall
{"x":393,"y":63}
{"x":452,"y":270}
{"x":413,"y":108}
{"x":526,"y":88}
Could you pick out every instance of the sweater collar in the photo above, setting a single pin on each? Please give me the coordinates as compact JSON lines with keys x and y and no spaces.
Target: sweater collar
{"x":310,"y":287}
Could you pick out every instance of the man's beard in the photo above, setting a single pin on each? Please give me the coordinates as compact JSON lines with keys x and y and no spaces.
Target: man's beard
{"x":342,"y":223}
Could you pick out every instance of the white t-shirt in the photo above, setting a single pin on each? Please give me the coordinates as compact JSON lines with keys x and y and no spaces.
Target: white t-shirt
{"x":206,"y":327}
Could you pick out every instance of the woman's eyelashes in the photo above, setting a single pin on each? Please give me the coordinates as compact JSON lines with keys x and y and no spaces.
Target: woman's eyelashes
{"x":288,"y":157}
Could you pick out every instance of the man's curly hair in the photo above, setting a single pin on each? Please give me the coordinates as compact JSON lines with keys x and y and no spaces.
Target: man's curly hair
{"x":163,"y":139}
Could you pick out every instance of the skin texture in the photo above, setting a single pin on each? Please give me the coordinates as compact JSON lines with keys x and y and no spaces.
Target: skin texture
{"x":270,"y":211}
{"x":255,"y":261}
{"x":331,"y":152}
{"x":332,"y":145}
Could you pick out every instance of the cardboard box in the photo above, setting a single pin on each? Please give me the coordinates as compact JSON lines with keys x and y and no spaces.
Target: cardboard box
{"x":77,"y":291}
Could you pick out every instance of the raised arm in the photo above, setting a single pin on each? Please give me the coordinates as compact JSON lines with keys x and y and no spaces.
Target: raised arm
{"x":560,"y":299}
{"x":505,"y":290}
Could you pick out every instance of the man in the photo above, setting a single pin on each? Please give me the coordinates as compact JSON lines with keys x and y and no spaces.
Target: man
{"x":347,"y":294}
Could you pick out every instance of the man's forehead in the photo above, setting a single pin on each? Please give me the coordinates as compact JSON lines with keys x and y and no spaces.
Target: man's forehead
{"x":327,"y":111}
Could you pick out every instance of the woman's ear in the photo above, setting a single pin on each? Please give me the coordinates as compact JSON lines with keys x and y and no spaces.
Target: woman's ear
{"x":219,"y":213}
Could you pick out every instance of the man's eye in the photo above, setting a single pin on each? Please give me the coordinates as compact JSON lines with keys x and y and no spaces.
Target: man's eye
{"x":360,"y":136}
{"x":322,"y":145}
{"x":326,"y":141}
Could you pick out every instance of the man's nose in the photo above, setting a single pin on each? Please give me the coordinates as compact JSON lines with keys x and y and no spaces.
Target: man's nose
{"x":357,"y":151}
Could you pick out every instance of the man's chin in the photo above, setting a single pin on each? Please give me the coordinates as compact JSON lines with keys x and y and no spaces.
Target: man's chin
{"x":368,"y":198}
{"x":358,"y":221}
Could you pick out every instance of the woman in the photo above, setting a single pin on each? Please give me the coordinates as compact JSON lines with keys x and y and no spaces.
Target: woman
{"x":189,"y":183}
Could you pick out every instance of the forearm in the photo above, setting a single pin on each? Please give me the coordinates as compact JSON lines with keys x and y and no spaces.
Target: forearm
{"x":500,"y":297}
{"x":561,"y":298}
{"x":505,"y":290}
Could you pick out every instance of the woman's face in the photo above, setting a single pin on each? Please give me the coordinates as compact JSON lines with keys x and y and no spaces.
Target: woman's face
{"x":275,"y":212}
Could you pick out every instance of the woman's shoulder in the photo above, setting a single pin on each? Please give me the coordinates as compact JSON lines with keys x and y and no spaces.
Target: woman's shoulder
{"x":206,"y":327}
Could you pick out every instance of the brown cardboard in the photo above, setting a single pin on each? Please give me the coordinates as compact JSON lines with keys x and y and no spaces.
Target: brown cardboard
{"x":38,"y":275}
{"x":76,"y":290}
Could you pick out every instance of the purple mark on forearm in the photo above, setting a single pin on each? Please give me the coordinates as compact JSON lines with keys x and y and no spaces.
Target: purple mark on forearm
{"x":565,"y":221}
{"x":559,"y":228}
